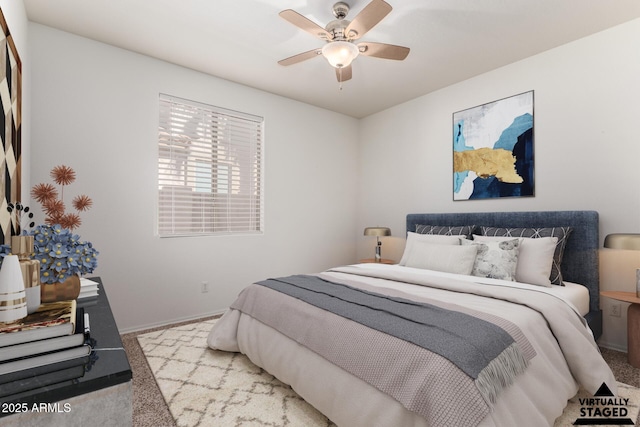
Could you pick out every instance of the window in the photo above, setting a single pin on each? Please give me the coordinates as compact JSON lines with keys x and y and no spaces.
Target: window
{"x":209,"y":170}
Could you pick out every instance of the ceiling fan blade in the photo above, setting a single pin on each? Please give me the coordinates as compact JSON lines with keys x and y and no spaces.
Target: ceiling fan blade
{"x":368,"y":18}
{"x":300,"y":57}
{"x":383,"y":50}
{"x":306,"y":24}
{"x":343,"y":74}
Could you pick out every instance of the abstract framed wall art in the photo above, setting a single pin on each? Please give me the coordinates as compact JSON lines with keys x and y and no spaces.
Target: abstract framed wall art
{"x":10,"y":129}
{"x":493,"y":149}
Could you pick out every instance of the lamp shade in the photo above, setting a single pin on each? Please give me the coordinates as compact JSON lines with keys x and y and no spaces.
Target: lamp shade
{"x":340,"y":53}
{"x":377,"y":231}
{"x":623,"y":241}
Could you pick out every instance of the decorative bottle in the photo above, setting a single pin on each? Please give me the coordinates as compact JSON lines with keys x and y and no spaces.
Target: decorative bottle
{"x":12,"y":295}
{"x":22,"y":246}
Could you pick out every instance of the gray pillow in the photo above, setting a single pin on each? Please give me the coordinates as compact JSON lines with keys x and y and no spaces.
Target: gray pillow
{"x":562,"y":233}
{"x":446,"y":230}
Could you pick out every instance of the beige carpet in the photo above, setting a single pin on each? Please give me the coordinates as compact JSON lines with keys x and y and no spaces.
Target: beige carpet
{"x":203,"y":387}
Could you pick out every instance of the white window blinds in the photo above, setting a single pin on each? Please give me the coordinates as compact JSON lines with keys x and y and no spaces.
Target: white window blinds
{"x":209,"y":170}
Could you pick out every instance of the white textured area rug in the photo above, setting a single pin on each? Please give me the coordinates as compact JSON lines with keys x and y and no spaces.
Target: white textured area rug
{"x":203,"y":387}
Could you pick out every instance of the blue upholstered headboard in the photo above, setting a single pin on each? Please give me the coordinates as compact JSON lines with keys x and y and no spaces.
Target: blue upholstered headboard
{"x":580,"y":261}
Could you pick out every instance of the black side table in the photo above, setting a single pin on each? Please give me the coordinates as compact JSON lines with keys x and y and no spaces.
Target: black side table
{"x":102,"y":395}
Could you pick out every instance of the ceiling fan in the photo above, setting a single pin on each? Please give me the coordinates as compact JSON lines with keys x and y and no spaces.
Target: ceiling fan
{"x":340,"y":49}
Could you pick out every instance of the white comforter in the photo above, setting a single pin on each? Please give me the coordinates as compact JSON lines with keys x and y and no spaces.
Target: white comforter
{"x":567,"y":355}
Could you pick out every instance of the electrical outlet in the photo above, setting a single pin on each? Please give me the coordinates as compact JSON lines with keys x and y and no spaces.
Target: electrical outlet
{"x":615,"y":310}
{"x":204,"y":287}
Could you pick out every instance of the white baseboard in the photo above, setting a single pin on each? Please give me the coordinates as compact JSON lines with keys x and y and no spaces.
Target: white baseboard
{"x":170,"y":322}
{"x":611,"y":346}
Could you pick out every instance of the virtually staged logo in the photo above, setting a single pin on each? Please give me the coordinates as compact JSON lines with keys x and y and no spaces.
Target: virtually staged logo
{"x":604,"y":409}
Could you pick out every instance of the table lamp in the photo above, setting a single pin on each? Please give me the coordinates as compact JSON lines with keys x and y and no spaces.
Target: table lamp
{"x":377,"y":231}
{"x":629,"y":242}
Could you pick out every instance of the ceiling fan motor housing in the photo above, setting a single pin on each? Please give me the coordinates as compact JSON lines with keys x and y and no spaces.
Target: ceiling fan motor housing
{"x":337,"y":28}
{"x":340,"y":10}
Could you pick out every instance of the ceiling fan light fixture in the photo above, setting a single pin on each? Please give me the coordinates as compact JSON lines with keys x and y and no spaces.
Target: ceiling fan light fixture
{"x":340,"y":54}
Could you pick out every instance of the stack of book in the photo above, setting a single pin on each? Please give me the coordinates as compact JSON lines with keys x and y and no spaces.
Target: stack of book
{"x":45,"y":347}
{"x":88,"y":289}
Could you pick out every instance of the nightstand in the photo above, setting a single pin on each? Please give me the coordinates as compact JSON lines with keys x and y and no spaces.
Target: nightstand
{"x":373,"y":260}
{"x":101,"y":395}
{"x":633,"y":323}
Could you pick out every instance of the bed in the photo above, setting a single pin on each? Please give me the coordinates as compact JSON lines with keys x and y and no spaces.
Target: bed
{"x":407,"y":345}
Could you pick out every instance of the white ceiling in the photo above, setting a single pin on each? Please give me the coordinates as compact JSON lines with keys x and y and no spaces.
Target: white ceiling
{"x":242,"y":40}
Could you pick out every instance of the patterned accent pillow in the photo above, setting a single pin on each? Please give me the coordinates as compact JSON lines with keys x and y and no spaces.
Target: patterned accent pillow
{"x":444,"y":230}
{"x":535,"y":258}
{"x":562,"y":233}
{"x":495,"y":260}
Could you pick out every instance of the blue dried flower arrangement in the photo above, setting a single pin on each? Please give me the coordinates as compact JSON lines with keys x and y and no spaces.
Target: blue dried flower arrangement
{"x":61,"y":253}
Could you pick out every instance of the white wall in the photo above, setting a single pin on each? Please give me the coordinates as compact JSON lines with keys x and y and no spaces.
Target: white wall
{"x":16,"y":17}
{"x":586,"y":147}
{"x":96,"y":110}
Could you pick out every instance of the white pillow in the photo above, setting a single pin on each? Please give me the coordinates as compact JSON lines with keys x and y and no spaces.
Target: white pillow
{"x":535,"y":258}
{"x":496,"y":259}
{"x":448,"y":258}
{"x":429,"y":238}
